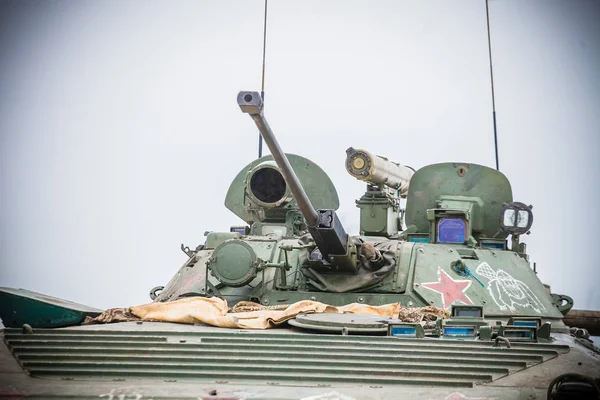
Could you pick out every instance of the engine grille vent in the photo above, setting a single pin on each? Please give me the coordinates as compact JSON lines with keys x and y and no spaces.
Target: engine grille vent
{"x":268,"y":357}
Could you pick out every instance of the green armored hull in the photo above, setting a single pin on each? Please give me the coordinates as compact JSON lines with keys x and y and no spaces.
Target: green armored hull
{"x":441,"y":245}
{"x":164,"y":360}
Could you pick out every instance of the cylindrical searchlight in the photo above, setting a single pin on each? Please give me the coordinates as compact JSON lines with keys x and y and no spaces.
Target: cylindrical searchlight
{"x":378,"y":170}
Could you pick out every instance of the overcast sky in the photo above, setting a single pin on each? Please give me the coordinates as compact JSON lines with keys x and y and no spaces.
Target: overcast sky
{"x":120,"y":132}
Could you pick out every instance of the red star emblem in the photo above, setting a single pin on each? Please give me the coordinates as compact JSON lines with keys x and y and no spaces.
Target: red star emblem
{"x":450,"y":289}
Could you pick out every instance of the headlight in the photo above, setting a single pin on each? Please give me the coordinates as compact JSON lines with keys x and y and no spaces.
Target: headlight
{"x":523,"y":218}
{"x":516,"y":218}
{"x":509,"y":217}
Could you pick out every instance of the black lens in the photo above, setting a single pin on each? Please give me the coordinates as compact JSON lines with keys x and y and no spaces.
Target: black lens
{"x":267,"y":185}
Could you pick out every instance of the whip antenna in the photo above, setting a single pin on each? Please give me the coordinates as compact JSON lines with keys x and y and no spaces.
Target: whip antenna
{"x":262,"y":87}
{"x":487,"y":13}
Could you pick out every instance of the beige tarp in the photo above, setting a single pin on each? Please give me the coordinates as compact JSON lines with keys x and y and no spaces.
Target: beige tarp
{"x":248,"y":315}
{"x":214,"y":311}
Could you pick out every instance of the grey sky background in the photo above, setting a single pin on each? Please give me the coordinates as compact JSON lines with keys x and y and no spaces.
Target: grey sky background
{"x":120,"y":133}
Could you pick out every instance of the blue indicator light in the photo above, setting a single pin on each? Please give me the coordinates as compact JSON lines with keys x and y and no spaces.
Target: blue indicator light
{"x":459,"y":331}
{"x":532,"y":324}
{"x":493,"y":245}
{"x":520,"y":334}
{"x":419,"y":239}
{"x":403,"y":331}
{"x":468,"y":312}
{"x":451,"y":230}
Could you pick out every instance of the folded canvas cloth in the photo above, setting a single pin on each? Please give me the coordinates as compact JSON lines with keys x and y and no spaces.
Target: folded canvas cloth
{"x":377,"y":260}
{"x":213,"y":311}
{"x":248,"y":315}
{"x":110,"y":316}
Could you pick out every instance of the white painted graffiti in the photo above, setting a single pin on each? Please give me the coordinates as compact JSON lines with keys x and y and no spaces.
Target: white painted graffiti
{"x":508,"y":292}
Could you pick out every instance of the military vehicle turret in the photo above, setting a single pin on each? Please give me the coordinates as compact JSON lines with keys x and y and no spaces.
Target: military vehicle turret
{"x":444,"y":238}
{"x":454,"y":249}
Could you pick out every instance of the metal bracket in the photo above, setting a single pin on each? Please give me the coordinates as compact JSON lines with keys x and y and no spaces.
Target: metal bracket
{"x":187,"y":250}
{"x":153,"y":294}
{"x":213,"y":289}
{"x":502,"y":339}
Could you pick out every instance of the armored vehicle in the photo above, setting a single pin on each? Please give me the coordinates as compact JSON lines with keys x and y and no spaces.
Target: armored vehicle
{"x":442,"y":245}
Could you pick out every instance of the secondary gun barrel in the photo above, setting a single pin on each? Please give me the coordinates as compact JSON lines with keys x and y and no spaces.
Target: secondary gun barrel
{"x":379,"y":170}
{"x":251,"y":103}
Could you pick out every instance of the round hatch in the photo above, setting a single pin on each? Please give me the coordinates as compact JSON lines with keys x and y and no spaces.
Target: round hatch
{"x":354,"y":323}
{"x":233,"y":263}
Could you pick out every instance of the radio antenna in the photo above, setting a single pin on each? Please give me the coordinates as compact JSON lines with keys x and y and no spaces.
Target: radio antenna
{"x":487,"y":13}
{"x":262,"y":87}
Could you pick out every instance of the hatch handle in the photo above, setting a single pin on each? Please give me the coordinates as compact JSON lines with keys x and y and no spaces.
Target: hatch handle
{"x":502,"y":339}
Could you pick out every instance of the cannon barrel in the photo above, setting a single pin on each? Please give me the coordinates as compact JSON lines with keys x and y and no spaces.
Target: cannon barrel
{"x":323,"y":225}
{"x":378,"y":170}
{"x":251,"y":103}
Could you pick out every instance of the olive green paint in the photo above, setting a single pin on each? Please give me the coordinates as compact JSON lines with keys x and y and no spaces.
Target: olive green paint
{"x":318,"y":186}
{"x":429,"y":184}
{"x":19,"y":306}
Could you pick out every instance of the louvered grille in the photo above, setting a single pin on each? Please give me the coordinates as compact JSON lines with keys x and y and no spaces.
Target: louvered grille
{"x":268,"y":357}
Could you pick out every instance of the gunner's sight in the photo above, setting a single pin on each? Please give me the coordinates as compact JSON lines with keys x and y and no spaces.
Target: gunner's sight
{"x":267,"y":185}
